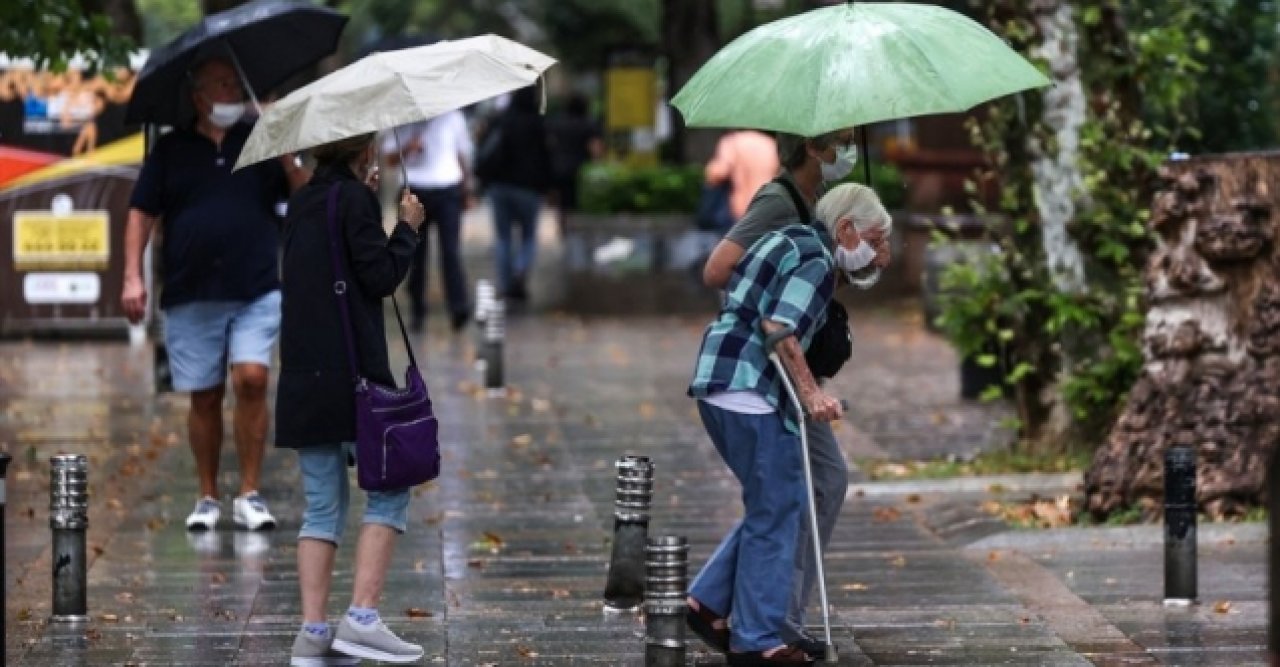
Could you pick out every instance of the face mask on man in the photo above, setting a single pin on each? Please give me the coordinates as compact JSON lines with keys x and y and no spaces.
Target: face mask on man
{"x":846,"y":157}
{"x":224,"y":114}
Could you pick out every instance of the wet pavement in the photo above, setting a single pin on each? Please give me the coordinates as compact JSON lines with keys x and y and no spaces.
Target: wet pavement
{"x":505,"y":559}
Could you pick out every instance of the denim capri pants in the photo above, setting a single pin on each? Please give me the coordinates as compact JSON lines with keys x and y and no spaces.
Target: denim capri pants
{"x":326,"y":483}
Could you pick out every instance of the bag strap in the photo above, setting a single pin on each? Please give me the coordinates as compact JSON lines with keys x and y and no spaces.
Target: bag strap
{"x":340,"y":289}
{"x":801,"y":207}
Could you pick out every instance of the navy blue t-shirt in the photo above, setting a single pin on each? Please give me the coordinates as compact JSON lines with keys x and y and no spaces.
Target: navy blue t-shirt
{"x":220,"y":231}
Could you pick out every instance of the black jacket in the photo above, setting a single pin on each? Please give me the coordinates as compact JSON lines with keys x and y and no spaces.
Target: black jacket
{"x":525,"y":158}
{"x":315,"y":401}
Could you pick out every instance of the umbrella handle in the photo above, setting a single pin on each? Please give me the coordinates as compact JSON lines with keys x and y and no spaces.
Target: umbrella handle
{"x":248,"y":87}
{"x":404,"y":174}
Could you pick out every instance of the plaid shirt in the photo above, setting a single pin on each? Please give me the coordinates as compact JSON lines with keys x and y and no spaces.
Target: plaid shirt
{"x":785,"y":277}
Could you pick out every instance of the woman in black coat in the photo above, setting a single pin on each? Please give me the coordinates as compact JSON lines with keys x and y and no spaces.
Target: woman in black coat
{"x":315,"y":401}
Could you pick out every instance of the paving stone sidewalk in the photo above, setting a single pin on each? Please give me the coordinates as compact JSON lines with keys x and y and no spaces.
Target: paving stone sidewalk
{"x":506,"y":555}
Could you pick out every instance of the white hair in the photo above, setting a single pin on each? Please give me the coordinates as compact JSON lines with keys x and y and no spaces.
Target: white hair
{"x":860,"y":204}
{"x":856,"y":201}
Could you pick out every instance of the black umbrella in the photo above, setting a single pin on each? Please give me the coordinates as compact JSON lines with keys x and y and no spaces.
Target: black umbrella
{"x":267,"y":40}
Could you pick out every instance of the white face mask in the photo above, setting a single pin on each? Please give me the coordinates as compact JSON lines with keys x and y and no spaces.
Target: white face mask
{"x":846,"y":157}
{"x":225,"y":114}
{"x":858,"y":258}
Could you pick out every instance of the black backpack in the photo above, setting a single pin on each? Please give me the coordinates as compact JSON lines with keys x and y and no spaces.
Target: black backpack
{"x":832,"y":343}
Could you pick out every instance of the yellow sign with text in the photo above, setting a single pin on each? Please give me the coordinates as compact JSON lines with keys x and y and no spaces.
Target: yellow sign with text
{"x":46,"y":240}
{"x":631,"y":97}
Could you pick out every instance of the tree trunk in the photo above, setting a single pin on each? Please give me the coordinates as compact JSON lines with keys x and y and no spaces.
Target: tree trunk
{"x":690,"y":36}
{"x":1058,"y":180}
{"x":1211,"y":377}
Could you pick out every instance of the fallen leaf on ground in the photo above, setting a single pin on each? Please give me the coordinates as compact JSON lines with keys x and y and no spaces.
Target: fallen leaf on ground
{"x":1222,"y":606}
{"x":414,"y":612}
{"x":898,"y":561}
{"x":854,"y":587}
{"x":913,"y":498}
{"x":522,"y":440}
{"x":526,"y":652}
{"x":109,"y":618}
{"x":885,"y":514}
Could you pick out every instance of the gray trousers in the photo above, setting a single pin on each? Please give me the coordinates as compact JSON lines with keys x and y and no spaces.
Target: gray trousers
{"x":830,"y":483}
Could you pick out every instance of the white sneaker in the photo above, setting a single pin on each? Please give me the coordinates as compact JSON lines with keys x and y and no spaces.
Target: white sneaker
{"x":375,"y":642}
{"x":205,"y":515}
{"x":251,"y":512}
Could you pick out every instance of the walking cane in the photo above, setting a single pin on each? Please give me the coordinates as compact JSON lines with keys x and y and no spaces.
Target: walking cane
{"x":813,"y":505}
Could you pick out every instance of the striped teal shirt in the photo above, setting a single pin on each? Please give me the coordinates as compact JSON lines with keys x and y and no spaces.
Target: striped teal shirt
{"x":786,"y":276}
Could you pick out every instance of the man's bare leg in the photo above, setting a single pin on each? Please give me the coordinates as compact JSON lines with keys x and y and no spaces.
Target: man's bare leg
{"x":249,"y":381}
{"x":204,"y":429}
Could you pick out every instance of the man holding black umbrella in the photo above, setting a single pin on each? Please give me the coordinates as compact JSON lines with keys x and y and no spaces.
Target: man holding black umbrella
{"x":219,"y":246}
{"x":221,"y":279}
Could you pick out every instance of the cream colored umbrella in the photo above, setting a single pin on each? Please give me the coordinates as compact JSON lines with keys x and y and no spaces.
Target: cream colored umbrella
{"x":393,"y":88}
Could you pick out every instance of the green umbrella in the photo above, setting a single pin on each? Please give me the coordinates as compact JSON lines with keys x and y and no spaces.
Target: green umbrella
{"x":853,"y":64}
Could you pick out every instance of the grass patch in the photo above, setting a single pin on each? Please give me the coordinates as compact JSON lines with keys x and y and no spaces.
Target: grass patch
{"x":988,"y":463}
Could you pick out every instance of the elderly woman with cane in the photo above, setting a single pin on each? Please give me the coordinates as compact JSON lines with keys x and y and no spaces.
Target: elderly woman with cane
{"x":776,"y":299}
{"x":807,"y":164}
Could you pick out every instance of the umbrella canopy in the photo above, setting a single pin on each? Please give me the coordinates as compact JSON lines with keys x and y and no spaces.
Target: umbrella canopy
{"x":853,"y":64}
{"x":270,"y":40}
{"x":393,"y":88}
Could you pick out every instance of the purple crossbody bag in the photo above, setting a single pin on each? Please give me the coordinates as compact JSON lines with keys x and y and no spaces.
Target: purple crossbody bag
{"x":397,"y":435}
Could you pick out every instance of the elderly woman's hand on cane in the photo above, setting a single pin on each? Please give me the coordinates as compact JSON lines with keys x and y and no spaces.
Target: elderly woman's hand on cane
{"x":818,"y":405}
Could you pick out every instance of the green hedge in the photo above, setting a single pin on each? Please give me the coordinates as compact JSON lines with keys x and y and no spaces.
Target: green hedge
{"x":607,"y":188}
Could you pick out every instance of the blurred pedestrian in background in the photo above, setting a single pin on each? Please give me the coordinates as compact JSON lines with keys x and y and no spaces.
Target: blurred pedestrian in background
{"x":743,"y":162}
{"x":437,"y":159}
{"x":514,"y":163}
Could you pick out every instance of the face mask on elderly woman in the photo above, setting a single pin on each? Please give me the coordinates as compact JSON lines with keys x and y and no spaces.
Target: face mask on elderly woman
{"x":858,"y":258}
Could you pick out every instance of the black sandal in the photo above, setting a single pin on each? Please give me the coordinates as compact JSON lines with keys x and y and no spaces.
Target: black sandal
{"x":788,"y":655}
{"x":702,"y":623}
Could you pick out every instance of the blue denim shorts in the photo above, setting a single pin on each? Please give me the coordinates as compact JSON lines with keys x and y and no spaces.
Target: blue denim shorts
{"x":326,"y":484}
{"x":203,"y":337}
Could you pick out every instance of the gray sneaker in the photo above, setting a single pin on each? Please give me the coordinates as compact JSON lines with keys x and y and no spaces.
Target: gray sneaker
{"x":375,"y":643}
{"x":312,"y":651}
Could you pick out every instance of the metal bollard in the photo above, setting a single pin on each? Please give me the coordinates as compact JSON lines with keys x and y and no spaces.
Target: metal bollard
{"x":494,"y":333}
{"x":5,"y":459}
{"x":485,"y":295}
{"x":1179,"y":526}
{"x":664,"y":606}
{"x":624,"y":588}
{"x":69,"y":517}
